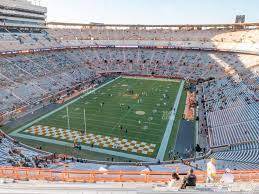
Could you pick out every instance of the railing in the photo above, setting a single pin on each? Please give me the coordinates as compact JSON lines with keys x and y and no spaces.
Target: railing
{"x":111,"y":176}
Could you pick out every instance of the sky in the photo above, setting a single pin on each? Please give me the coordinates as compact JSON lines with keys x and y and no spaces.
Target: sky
{"x":151,"y":11}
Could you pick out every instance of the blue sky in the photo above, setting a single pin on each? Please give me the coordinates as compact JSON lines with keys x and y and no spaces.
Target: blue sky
{"x":151,"y":11}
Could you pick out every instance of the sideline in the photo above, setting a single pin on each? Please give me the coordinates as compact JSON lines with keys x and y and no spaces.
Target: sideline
{"x":169,"y":127}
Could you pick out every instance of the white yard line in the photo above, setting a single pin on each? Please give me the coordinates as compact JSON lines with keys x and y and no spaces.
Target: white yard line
{"x":14,"y":133}
{"x":84,"y":147}
{"x":169,"y":127}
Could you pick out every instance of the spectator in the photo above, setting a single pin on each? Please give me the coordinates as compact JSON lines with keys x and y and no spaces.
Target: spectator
{"x":227,"y":177}
{"x":174,"y":180}
{"x":190,"y":180}
{"x":211,"y":170}
{"x":198,"y":148}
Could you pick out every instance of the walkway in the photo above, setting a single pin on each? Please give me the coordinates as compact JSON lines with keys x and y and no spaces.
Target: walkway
{"x":169,"y":127}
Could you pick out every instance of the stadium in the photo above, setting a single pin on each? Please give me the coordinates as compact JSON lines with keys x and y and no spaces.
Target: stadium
{"x":98,"y":103}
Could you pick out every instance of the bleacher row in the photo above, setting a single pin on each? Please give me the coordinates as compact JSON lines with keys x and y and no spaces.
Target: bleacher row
{"x":25,"y":41}
{"x":235,"y":133}
{"x":234,"y":125}
{"x":30,"y":78}
{"x":14,"y":154}
{"x":221,"y":117}
{"x":226,"y":94}
{"x":242,"y":40}
{"x":212,"y":38}
{"x":247,"y":156}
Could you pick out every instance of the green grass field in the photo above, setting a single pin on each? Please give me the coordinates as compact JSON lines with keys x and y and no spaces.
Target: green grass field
{"x":114,"y":111}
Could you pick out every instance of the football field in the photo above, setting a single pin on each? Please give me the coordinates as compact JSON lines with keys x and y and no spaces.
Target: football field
{"x":126,"y":115}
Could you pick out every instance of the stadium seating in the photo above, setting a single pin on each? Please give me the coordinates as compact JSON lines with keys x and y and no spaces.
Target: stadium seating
{"x":247,"y":152}
{"x":14,"y":154}
{"x":229,"y":90}
{"x":74,"y":66}
{"x":243,"y":40}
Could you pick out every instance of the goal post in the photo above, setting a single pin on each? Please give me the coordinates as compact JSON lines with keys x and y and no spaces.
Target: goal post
{"x":85,"y":120}
{"x":68,"y":120}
